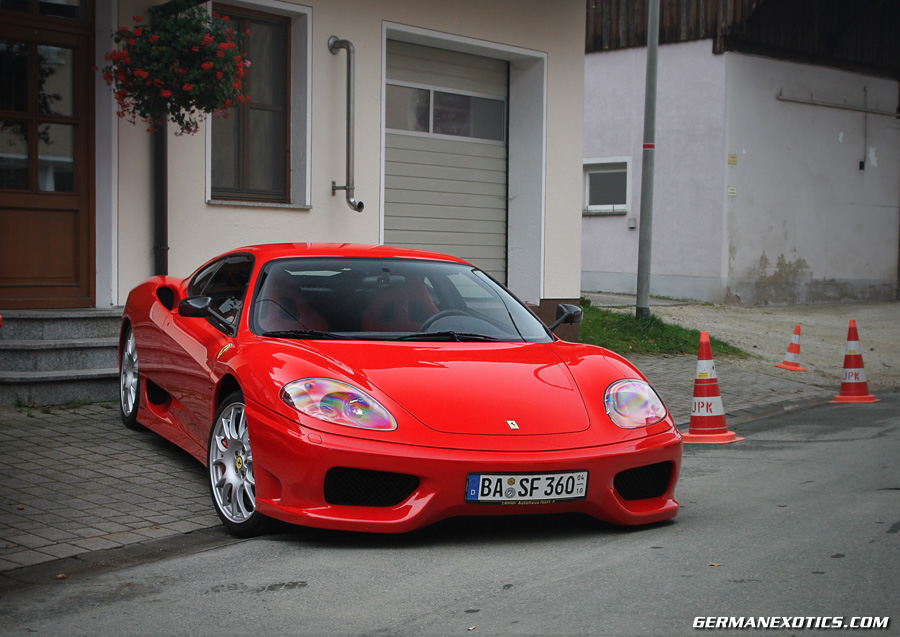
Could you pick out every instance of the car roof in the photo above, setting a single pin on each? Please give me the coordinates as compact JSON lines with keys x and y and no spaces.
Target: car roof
{"x":267,"y":252}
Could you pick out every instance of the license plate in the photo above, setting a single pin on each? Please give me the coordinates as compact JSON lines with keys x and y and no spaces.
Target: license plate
{"x":526,"y":488}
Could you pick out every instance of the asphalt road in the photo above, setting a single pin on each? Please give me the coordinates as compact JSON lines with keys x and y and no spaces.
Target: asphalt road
{"x":801,"y":519}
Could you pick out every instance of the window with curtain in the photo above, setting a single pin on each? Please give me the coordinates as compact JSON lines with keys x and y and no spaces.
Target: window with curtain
{"x":251,"y":141}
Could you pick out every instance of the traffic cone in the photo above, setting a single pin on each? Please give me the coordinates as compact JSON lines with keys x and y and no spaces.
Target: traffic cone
{"x":792,"y":358}
{"x":854,"y":387}
{"x":707,"y":413}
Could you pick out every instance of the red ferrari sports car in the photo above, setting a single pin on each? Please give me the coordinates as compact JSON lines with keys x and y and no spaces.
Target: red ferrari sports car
{"x":381,"y":389}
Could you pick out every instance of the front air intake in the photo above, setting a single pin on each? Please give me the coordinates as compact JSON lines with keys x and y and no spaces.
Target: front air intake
{"x":365,"y":488}
{"x":641,"y":483}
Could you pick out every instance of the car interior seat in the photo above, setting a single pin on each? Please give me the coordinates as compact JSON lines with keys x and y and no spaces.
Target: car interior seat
{"x":283,"y":306}
{"x":399,"y":309}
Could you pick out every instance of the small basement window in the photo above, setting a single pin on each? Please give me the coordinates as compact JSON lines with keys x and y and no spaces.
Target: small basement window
{"x":607,"y":186}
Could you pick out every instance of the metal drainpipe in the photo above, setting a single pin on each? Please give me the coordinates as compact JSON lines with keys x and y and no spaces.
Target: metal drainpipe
{"x":334,"y":45}
{"x":160,"y":201}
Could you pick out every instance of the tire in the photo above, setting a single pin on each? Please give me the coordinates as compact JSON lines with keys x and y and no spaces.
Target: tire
{"x":129,"y":382}
{"x":230,"y":469}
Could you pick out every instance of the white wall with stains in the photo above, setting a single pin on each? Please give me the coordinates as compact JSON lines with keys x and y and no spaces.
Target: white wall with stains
{"x":817,"y":204}
{"x":756,"y":200}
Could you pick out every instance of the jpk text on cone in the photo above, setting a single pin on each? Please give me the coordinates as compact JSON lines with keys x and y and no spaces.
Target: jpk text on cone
{"x":854,"y":386}
{"x":707,"y":412}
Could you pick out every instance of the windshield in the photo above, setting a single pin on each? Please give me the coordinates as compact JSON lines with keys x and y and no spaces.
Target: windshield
{"x":388,"y":299}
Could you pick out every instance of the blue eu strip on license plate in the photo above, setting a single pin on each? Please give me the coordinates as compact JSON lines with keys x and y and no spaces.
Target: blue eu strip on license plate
{"x":526,"y":488}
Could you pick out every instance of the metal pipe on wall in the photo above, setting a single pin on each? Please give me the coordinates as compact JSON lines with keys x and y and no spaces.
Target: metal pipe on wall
{"x":335,"y":44}
{"x":846,"y":107}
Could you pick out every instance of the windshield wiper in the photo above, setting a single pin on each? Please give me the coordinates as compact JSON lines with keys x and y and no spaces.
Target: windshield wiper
{"x":310,"y":334}
{"x":457,"y":337}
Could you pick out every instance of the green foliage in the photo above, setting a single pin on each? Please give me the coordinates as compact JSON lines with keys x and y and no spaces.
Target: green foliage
{"x":625,"y":334}
{"x":181,"y":67}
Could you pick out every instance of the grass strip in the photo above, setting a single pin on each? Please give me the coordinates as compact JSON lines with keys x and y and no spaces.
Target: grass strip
{"x":625,"y":334}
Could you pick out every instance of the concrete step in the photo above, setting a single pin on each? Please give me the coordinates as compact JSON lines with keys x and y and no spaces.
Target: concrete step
{"x":35,"y":325}
{"x":51,"y":357}
{"x":58,"y":388}
{"x":57,"y":354}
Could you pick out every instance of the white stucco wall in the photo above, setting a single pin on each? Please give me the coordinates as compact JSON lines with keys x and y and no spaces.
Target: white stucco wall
{"x":687,"y":211}
{"x":794,"y":220}
{"x":806,"y":224}
{"x":198,"y":230}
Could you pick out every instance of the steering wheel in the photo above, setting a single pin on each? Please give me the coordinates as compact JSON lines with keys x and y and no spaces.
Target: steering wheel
{"x":434,"y":318}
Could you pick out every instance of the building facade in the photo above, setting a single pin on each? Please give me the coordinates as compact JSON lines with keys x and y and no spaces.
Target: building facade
{"x":777,"y":161}
{"x":467,"y":124}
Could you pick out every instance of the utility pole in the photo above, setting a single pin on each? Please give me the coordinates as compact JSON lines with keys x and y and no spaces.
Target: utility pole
{"x":645,"y":234}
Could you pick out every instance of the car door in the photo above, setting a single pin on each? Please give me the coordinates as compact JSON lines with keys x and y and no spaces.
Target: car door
{"x":191,"y":345}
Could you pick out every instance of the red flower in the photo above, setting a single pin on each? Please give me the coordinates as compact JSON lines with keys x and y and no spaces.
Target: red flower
{"x":220,"y":54}
{"x":154,"y":38}
{"x":138,"y":32}
{"x":187,"y":87}
{"x":195,"y":49}
{"x":138,"y":18}
{"x":166,"y":93}
{"x":218,"y":75}
{"x":132,"y":41}
{"x":206,"y":66}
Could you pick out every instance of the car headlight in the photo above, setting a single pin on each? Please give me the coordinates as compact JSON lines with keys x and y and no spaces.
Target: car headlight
{"x":634,"y":403}
{"x":338,"y":403}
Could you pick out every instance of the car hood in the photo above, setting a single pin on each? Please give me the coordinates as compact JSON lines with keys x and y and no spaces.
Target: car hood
{"x":488,"y":389}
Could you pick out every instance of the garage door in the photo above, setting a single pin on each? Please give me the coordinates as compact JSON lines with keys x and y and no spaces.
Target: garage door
{"x":446,"y":153}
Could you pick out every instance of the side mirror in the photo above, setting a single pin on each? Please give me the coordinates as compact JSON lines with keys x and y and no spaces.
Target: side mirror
{"x":195,"y":306}
{"x":568,"y":314}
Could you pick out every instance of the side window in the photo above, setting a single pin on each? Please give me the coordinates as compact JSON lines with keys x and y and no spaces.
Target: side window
{"x":202,"y":279}
{"x":225,"y":282}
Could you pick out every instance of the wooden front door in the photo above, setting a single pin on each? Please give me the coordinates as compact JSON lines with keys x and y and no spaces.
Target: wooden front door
{"x":46,"y":155}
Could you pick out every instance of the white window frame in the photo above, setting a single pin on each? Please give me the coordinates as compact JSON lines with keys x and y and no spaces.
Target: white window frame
{"x":300,"y":100}
{"x":607,"y":164}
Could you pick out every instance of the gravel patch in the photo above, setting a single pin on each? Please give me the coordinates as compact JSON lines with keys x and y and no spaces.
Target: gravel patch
{"x":765,"y":333}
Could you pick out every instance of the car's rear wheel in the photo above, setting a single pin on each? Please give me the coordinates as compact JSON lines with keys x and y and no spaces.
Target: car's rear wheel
{"x":230,"y":467}
{"x":129,"y":381}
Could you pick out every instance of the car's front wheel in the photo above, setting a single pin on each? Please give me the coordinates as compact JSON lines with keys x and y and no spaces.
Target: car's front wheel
{"x":129,"y":381}
{"x":230,"y":467}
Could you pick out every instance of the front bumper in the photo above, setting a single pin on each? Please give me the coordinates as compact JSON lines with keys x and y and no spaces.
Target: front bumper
{"x":291,"y":464}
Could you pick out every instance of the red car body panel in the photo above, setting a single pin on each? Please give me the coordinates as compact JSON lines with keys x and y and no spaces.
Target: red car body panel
{"x":453,"y":402}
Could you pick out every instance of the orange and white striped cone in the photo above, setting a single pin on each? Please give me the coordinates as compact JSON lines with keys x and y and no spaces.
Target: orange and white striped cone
{"x":854,"y":386}
{"x":792,"y":358}
{"x":707,"y":412}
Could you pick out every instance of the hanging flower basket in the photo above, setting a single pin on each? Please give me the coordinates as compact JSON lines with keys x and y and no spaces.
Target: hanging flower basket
{"x":182,"y":67}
